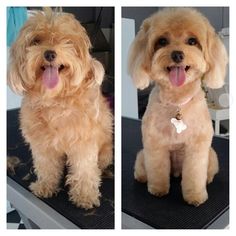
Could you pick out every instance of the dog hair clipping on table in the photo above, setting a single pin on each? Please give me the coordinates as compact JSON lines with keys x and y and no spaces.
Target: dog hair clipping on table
{"x":179,"y":125}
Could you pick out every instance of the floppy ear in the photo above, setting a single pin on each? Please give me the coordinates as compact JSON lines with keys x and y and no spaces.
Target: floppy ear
{"x":77,"y":34}
{"x":139,"y":60}
{"x":83,"y":42}
{"x":98,"y":71}
{"x":14,"y":79}
{"x":16,"y":67}
{"x":217,"y":59}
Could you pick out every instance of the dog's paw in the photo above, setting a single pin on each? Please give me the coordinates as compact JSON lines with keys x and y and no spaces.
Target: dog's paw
{"x":139,"y":169}
{"x":105,"y":159}
{"x":41,"y":189}
{"x":158,"y":191}
{"x":140,"y":177}
{"x":85,"y":198}
{"x":210,"y":178}
{"x":195,"y":199}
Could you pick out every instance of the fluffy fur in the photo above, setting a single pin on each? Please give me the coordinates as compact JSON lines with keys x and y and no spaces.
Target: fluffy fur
{"x":69,"y":124}
{"x":164,"y":151}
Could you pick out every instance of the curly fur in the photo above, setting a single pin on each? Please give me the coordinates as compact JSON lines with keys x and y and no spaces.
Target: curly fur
{"x":70,"y":124}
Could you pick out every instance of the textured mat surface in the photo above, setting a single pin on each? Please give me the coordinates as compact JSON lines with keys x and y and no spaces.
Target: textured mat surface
{"x":170,"y":212}
{"x":97,"y":218}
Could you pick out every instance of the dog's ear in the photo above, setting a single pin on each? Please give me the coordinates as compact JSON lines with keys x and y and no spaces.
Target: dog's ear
{"x":16,"y":66}
{"x":83,"y":44}
{"x":98,"y":71}
{"x":14,"y":79}
{"x":139,"y":58}
{"x":216,"y":58}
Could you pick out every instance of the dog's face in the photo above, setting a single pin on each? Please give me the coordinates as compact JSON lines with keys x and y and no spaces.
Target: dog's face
{"x":51,"y":55}
{"x":175,"y":47}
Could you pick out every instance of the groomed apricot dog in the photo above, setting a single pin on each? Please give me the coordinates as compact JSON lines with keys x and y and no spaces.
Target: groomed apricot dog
{"x":64,"y":116}
{"x":177,"y":49}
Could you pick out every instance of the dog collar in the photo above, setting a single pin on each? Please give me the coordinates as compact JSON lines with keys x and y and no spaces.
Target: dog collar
{"x":177,"y":120}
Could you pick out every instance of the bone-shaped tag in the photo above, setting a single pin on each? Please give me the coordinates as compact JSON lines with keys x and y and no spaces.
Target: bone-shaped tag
{"x":179,"y":125}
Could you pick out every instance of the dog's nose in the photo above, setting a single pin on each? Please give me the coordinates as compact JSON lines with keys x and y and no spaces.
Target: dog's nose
{"x":177,"y":56}
{"x":50,"y":55}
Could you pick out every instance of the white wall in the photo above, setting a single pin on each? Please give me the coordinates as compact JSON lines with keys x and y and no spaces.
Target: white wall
{"x":129,"y":92}
{"x":13,"y":100}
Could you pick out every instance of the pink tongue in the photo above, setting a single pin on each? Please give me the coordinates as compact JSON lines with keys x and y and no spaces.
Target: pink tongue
{"x":50,"y":77}
{"x":177,"y":75}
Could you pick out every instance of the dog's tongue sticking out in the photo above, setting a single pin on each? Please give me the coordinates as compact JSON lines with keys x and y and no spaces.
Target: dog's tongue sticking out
{"x":177,"y":75}
{"x":50,"y":77}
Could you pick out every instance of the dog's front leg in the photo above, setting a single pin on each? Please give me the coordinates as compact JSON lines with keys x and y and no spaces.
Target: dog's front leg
{"x":157,"y":165}
{"x":84,"y":175}
{"x":48,"y":166}
{"x":194,"y":173}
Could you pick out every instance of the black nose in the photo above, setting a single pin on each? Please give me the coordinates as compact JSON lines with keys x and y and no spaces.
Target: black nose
{"x":50,"y":55}
{"x":177,"y":56}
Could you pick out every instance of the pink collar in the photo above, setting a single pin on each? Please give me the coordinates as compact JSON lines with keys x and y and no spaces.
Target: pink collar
{"x":185,"y":102}
{"x":180,"y":104}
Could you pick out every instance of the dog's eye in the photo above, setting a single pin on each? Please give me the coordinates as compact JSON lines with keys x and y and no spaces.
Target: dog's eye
{"x":161,"y":42}
{"x":192,"y":41}
{"x":35,"y":41}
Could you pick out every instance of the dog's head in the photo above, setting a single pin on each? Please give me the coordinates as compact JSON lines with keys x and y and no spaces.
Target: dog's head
{"x":177,"y":46}
{"x":51,"y":55}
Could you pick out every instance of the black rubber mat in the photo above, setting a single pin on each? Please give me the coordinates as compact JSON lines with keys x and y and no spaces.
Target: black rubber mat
{"x":97,"y":218}
{"x":170,"y":212}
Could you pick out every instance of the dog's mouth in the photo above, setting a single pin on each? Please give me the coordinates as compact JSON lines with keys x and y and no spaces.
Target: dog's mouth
{"x":59,"y":67}
{"x":50,"y":75}
{"x":186,"y":68}
{"x":177,"y":74}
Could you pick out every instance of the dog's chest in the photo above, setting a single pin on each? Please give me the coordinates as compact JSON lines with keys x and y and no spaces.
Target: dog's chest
{"x":171,"y":132}
{"x":180,"y":129}
{"x":66,"y":122}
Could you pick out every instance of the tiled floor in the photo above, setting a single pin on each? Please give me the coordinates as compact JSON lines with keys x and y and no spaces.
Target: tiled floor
{"x":13,"y":219}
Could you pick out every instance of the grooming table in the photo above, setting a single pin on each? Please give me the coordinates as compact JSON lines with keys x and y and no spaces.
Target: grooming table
{"x":140,"y":209}
{"x":56,"y":212}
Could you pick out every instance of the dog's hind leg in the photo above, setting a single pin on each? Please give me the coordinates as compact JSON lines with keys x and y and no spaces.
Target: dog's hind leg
{"x":213,"y":165}
{"x":105,"y":155}
{"x":139,"y":168}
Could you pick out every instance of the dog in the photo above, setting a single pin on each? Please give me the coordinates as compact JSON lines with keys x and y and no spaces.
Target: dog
{"x":64,"y":117}
{"x":177,"y":49}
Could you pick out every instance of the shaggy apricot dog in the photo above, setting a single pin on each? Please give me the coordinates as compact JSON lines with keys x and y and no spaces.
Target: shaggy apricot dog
{"x":64,"y":116}
{"x":177,"y":49}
